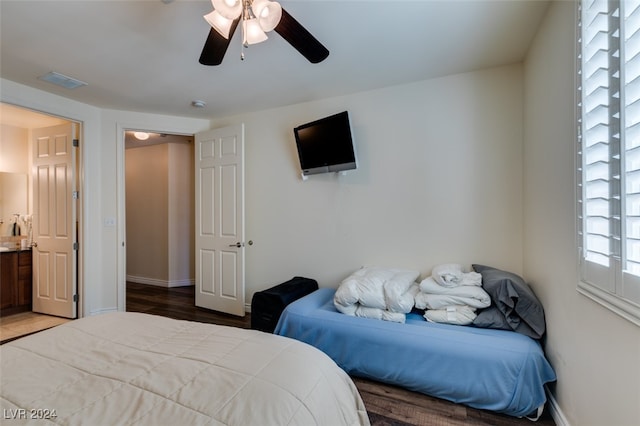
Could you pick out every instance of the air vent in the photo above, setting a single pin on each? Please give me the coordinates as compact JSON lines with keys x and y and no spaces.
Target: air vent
{"x":62,"y":80}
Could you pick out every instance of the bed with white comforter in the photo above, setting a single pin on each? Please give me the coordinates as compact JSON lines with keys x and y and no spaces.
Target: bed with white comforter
{"x":131,"y":368}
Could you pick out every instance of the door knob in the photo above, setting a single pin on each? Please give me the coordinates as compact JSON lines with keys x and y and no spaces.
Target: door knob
{"x":239,"y":244}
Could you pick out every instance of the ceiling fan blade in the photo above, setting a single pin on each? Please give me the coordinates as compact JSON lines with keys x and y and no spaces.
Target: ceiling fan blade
{"x":301,"y":39}
{"x":216,"y":46}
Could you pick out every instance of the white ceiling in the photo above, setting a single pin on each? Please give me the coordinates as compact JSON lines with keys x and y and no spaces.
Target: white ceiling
{"x":142,"y":55}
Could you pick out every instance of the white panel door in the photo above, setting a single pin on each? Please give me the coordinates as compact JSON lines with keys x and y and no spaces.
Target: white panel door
{"x":219,"y":187}
{"x":54,"y":219}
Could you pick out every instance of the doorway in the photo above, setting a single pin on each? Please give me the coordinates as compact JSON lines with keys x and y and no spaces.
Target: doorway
{"x":215,"y":278}
{"x":159,"y":209}
{"x":20,"y":126}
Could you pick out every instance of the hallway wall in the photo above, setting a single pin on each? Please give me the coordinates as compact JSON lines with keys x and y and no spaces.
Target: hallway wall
{"x":160,"y":215}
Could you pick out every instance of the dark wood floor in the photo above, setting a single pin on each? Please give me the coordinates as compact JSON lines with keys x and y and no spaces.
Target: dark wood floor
{"x":178,"y":303}
{"x":386,"y":405}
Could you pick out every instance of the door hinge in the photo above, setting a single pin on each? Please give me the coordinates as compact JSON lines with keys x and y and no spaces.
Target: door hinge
{"x":75,"y":297}
{"x":76,"y":143}
{"x":76,"y":246}
{"x":75,"y":195}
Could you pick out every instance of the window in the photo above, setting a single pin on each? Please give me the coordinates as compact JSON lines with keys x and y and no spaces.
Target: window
{"x":609,"y":153}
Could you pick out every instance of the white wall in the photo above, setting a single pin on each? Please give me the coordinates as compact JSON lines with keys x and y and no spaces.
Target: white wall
{"x":182,"y":216}
{"x":147,"y":213}
{"x":596,"y":354}
{"x":14,"y":148}
{"x":439,"y":180}
{"x":428,"y":189}
{"x":160,"y":214}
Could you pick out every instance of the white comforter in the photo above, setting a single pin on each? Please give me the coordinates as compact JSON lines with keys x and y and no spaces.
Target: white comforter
{"x":379,"y":293}
{"x":435,"y":296}
{"x":453,"y":275}
{"x":451,"y":295}
{"x":128,"y":368}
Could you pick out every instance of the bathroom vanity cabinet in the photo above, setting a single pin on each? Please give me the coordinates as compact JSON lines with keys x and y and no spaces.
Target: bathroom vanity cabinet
{"x":15,"y":281}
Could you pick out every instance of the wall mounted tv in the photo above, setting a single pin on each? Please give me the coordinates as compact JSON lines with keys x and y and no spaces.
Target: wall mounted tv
{"x":325,"y":145}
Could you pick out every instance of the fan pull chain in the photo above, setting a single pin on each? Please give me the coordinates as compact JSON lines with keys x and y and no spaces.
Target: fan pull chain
{"x":245,"y":15}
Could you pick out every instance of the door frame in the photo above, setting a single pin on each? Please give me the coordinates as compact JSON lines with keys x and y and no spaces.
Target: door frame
{"x":80,"y":206}
{"x":121,"y":226}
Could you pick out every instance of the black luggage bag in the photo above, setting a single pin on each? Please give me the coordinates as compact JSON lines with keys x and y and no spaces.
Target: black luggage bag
{"x":267,"y":305}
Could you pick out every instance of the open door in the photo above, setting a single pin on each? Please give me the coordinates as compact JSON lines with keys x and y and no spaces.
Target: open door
{"x":219,"y":186}
{"x":54,"y":219}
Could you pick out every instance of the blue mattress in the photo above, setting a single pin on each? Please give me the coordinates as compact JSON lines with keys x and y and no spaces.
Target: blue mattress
{"x":496,"y":370}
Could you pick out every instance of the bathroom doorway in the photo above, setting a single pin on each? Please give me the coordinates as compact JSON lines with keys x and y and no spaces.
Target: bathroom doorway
{"x":159,"y":209}
{"x":21,"y":138}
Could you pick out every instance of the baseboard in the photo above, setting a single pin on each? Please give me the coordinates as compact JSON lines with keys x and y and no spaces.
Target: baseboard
{"x":103,"y":311}
{"x":161,"y":283}
{"x":555,"y":411}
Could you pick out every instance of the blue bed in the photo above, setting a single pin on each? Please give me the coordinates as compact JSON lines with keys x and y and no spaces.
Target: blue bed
{"x":497,"y":370}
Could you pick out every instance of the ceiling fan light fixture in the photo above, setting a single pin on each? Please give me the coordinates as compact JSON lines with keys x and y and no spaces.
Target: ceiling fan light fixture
{"x":252,"y":32}
{"x":230,"y":9}
{"x":219,"y":23}
{"x":255,"y":17}
{"x":268,"y":13}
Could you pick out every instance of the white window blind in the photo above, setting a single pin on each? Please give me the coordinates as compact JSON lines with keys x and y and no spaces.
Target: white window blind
{"x":609,"y":151}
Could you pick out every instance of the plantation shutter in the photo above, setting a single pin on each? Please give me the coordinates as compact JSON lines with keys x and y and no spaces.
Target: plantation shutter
{"x":609,"y":151}
{"x":630,"y":100}
{"x":597,"y":133}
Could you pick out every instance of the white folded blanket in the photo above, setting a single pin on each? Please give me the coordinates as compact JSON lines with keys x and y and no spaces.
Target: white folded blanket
{"x":459,"y":315}
{"x":453,"y":275}
{"x":384,"y":289}
{"x":400,"y":300}
{"x":381,"y":314}
{"x":434,"y":296}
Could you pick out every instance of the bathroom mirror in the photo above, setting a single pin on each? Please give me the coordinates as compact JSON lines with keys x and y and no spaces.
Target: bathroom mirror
{"x":13,"y":198}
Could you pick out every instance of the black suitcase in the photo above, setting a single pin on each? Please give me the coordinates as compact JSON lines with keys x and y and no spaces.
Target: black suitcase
{"x":267,"y":305}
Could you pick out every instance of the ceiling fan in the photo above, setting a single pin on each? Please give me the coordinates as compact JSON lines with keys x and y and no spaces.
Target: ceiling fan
{"x":256,"y":17}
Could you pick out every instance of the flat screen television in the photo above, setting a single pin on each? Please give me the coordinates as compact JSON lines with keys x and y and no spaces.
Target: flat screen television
{"x":326,"y":145}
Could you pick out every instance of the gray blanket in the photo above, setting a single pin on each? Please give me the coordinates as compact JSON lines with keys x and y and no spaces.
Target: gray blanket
{"x":514,"y":305}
